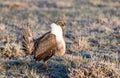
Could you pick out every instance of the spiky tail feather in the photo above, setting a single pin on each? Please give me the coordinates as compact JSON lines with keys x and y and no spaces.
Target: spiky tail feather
{"x":28,"y":42}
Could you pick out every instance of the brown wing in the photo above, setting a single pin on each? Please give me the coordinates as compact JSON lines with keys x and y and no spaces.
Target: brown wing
{"x":44,"y":46}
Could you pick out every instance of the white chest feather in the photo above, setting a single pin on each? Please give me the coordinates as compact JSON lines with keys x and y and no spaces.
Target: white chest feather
{"x":57,"y":30}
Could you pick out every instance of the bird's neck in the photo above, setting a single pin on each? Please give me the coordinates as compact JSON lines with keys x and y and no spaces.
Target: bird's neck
{"x":57,"y":31}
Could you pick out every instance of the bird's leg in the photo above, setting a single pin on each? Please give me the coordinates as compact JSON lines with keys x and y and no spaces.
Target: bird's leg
{"x":46,"y":66}
{"x":45,"y":63}
{"x":46,"y":59}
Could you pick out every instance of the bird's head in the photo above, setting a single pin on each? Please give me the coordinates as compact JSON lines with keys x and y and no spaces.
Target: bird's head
{"x":61,"y":23}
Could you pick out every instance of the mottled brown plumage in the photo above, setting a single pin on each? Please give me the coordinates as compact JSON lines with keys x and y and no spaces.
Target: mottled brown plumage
{"x":43,"y":48}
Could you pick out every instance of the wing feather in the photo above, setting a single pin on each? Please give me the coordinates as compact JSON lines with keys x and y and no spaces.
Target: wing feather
{"x":45,"y":45}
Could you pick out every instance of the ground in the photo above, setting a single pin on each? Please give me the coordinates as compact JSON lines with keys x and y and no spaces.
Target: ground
{"x":92,"y":38}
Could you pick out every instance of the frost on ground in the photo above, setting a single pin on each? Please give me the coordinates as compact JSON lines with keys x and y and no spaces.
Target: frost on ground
{"x":92,"y":38}
{"x":58,"y":69}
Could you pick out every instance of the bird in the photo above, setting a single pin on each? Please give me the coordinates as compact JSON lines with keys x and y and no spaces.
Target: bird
{"x":50,"y":44}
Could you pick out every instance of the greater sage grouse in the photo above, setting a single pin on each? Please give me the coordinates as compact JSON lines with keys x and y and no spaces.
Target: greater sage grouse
{"x":44,"y":47}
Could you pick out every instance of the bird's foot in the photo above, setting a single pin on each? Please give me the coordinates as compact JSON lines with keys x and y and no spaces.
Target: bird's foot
{"x":48,"y":68}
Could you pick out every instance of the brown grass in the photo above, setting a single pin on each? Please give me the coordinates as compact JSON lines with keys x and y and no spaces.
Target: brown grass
{"x":95,"y":70}
{"x":80,"y":44}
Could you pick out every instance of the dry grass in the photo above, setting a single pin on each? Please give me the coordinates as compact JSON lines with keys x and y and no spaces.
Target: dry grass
{"x":79,"y":45}
{"x":13,"y":6}
{"x":11,"y":50}
{"x":95,"y":70}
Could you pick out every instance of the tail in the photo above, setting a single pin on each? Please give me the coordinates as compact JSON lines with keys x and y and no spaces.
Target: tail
{"x":28,"y":42}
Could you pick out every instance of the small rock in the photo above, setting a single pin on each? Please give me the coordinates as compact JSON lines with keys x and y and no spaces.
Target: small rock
{"x":2,"y":27}
{"x":86,"y":55}
{"x":2,"y":48}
